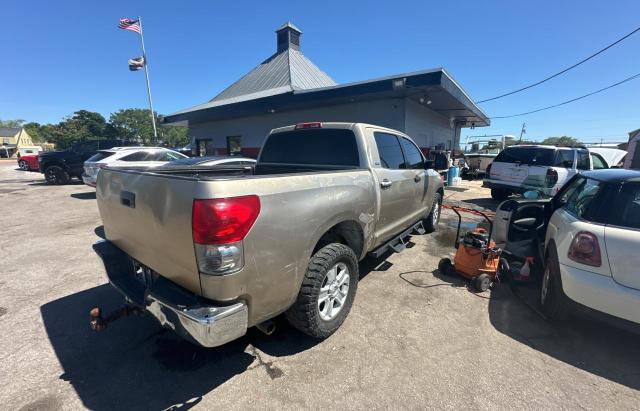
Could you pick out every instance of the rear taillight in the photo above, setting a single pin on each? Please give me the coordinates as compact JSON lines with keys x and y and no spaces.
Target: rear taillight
{"x":584,"y":249}
{"x":487,"y":173}
{"x":219,"y":226}
{"x":551,"y":178}
{"x":315,"y":124}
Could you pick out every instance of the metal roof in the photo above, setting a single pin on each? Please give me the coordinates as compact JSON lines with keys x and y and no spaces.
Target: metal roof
{"x":447,"y":98}
{"x":288,"y":25}
{"x":287,"y":71}
{"x":9,"y":131}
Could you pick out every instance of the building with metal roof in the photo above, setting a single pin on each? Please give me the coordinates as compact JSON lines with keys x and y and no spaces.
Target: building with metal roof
{"x":12,"y":139}
{"x":287,"y":88}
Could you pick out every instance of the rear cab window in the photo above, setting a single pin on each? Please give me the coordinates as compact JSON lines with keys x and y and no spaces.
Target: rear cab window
{"x":412,"y":155}
{"x":318,"y":146}
{"x":539,"y":156}
{"x":390,"y":151}
{"x":564,"y":158}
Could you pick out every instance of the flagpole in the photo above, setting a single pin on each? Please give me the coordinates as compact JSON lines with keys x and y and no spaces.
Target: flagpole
{"x":146,"y":74}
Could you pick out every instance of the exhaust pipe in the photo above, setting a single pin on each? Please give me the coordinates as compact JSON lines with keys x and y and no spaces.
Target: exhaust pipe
{"x":99,"y":323}
{"x":268,"y":327}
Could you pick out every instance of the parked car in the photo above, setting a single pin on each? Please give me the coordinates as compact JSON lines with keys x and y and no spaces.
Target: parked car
{"x":219,"y":250}
{"x":207,"y":161}
{"x":127,"y":157}
{"x":59,"y":167}
{"x":29,"y":162}
{"x":543,"y":168}
{"x":591,"y":231}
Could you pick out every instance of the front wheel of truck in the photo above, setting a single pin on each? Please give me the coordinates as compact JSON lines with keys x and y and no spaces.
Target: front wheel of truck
{"x":327,"y":291}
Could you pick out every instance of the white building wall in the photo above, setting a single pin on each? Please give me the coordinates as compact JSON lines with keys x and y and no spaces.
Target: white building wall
{"x":427,"y":127}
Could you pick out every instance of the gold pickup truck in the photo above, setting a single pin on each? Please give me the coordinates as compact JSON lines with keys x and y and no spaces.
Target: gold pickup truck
{"x":212,"y":251}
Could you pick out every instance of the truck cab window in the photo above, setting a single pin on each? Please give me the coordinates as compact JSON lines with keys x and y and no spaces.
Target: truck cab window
{"x":413,"y":155}
{"x":389,"y":150}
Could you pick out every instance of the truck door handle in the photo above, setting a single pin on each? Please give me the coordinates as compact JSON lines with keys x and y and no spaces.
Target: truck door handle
{"x":128,"y":199}
{"x":417,"y":178}
{"x":385,"y":184}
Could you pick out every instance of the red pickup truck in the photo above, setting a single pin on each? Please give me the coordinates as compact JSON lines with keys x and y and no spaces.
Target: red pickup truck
{"x":29,"y":163}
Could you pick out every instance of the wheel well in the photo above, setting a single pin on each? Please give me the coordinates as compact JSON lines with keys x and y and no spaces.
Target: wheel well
{"x":441,"y":192}
{"x":348,"y":233}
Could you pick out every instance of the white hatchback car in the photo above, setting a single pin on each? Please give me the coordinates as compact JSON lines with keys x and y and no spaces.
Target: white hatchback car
{"x":591,"y":242}
{"x":543,"y":168}
{"x":127,"y":157}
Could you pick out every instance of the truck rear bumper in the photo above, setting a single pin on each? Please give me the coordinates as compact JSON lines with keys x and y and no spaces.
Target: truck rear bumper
{"x":190,"y":316}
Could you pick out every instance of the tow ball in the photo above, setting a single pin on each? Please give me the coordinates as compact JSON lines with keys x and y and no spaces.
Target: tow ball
{"x":99,"y":323}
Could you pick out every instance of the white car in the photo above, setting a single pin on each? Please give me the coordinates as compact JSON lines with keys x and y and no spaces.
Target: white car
{"x":591,"y":242}
{"x":207,"y":161}
{"x":543,"y":168}
{"x":127,"y":157}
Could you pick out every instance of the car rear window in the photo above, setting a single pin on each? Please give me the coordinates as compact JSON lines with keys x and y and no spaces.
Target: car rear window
{"x":629,"y":206}
{"x":539,"y":156}
{"x":330,"y":147}
{"x":99,"y":156}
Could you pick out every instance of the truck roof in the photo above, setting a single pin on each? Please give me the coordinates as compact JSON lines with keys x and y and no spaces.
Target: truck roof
{"x":334,"y":125}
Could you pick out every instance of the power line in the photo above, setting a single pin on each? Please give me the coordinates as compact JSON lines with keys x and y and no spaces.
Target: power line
{"x":563,"y":71}
{"x":573,"y":99}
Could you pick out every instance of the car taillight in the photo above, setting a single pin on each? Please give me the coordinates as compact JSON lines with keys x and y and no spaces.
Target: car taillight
{"x":552,"y":177}
{"x":315,"y":124}
{"x":584,"y":249}
{"x":219,"y":226}
{"x":487,"y":173}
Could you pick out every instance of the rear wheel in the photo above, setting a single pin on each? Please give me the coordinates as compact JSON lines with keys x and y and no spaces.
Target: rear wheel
{"x":24,"y":165}
{"x":552,"y":298}
{"x":500,"y":193}
{"x":56,"y":175}
{"x":327,"y":291}
{"x":431,"y":223}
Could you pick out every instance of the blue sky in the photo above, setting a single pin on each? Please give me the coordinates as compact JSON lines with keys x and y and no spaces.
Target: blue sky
{"x":64,"y":56}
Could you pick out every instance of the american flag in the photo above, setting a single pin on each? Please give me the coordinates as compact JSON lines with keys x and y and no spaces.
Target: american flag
{"x":130,"y":24}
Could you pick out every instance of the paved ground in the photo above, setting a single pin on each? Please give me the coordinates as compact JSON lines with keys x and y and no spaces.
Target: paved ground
{"x":413,"y":340}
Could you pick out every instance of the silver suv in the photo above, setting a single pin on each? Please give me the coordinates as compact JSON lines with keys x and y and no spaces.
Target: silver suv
{"x":543,"y":168}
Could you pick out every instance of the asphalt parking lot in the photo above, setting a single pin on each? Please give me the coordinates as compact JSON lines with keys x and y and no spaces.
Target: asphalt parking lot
{"x":413,"y":340}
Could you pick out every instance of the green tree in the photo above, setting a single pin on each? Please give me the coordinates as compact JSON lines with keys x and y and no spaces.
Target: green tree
{"x":135,"y":124}
{"x":11,"y":123}
{"x":564,"y":141}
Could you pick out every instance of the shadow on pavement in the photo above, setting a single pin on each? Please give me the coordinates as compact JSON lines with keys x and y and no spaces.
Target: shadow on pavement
{"x":584,"y":342}
{"x":136,"y":364}
{"x":89,"y":195}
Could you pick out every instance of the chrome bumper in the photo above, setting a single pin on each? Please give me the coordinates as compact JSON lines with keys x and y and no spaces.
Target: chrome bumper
{"x":190,"y":316}
{"x":206,"y":325}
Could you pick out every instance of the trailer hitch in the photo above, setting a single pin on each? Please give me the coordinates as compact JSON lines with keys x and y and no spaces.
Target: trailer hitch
{"x":99,"y":323}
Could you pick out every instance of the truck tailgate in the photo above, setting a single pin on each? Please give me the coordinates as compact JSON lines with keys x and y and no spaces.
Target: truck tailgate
{"x":149,"y":217}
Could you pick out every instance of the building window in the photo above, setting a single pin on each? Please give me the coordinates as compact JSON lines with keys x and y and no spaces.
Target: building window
{"x":234,"y":145}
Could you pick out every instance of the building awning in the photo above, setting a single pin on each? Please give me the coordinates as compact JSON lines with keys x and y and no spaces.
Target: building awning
{"x":435,"y":89}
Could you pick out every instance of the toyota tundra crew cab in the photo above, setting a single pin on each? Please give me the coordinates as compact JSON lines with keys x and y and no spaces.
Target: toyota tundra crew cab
{"x":211,"y":251}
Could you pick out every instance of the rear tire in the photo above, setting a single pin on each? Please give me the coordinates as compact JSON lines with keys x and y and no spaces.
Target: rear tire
{"x":24,"y":166}
{"x":500,"y":194}
{"x":56,"y":175}
{"x":432,"y":220}
{"x":553,"y":300}
{"x":318,"y":311}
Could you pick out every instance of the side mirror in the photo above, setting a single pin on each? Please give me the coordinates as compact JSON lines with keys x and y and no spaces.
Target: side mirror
{"x":531,"y":195}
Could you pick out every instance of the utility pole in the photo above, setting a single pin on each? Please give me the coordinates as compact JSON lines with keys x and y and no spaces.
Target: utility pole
{"x":523,"y":131}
